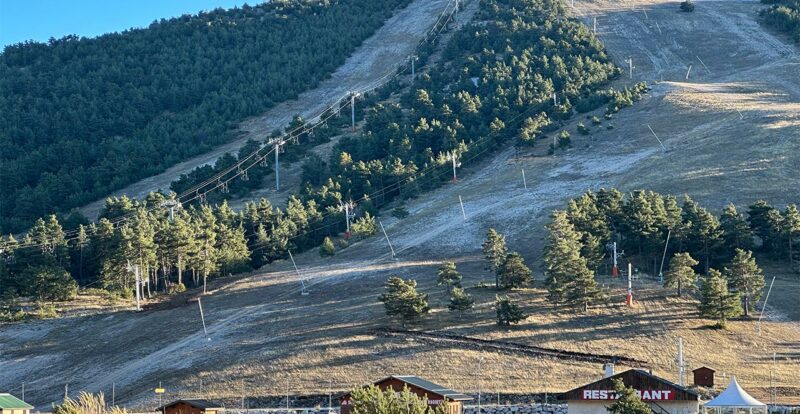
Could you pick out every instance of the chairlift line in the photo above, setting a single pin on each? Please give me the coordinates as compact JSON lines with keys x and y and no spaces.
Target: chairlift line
{"x":202,"y":197}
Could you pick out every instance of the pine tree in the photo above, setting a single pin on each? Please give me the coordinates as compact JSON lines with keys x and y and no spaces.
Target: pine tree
{"x":81,"y":242}
{"x":142,"y":244}
{"x":181,"y":243}
{"x":791,"y":226}
{"x":513,"y":272}
{"x":567,"y":274}
{"x":50,"y":282}
{"x":401,"y":299}
{"x":448,"y":276}
{"x":627,"y":401}
{"x":205,"y":261}
{"x":736,"y":232}
{"x":716,"y":302}
{"x":639,"y":219}
{"x":232,"y":252}
{"x":680,"y":272}
{"x":745,"y":277}
{"x":764,"y":220}
{"x":705,"y":234}
{"x":373,"y":400}
{"x":460,"y":301}
{"x":609,"y":203}
{"x":327,"y":248}
{"x":508,"y":313}
{"x":495,"y":252}
{"x":119,"y":256}
{"x":582,"y":290}
{"x":365,"y":226}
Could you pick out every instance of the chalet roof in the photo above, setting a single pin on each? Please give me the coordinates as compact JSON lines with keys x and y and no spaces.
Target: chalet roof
{"x":8,"y":401}
{"x":704,"y":367}
{"x":638,"y":379}
{"x":199,"y":403}
{"x":734,"y":396}
{"x":434,"y":388}
{"x":427,"y":386}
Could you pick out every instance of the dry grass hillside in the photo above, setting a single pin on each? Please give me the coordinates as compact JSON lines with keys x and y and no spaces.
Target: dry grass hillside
{"x":262,"y":332}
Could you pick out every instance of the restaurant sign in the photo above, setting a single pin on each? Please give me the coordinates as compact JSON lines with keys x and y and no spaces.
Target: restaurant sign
{"x":645,"y":395}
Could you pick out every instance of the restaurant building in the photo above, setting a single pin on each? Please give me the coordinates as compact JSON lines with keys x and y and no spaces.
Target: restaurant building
{"x":663,"y":397}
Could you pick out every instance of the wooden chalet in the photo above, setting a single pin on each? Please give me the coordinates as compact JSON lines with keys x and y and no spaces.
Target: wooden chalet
{"x":436,"y":394}
{"x":664,"y":397}
{"x":10,"y":404}
{"x":704,"y":376}
{"x":191,"y":407}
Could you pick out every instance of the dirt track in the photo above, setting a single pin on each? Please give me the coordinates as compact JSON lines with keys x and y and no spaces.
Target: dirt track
{"x":263,"y":332}
{"x":377,"y":56}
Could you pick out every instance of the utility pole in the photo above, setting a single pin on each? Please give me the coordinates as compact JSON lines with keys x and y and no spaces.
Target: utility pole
{"x":330,"y":395}
{"x":555,"y":99}
{"x":23,"y":391}
{"x":663,"y":148}
{"x":171,"y":205}
{"x":348,"y":209}
{"x":387,"y":238}
{"x":463,"y":213}
{"x":303,"y":291}
{"x":688,"y":71}
{"x":66,"y":391}
{"x":680,"y":361}
{"x":764,"y":306}
{"x":203,"y":318}
{"x":453,"y":157}
{"x":413,"y":72}
{"x":771,"y":383}
{"x":629,"y":297}
{"x":615,"y":269}
{"x":135,"y":269}
{"x":663,"y":256}
{"x":630,"y":67}
{"x":242,"y":393}
{"x":276,"y":143}
{"x":480,"y":361}
{"x":524,"y":182}
{"x":113,"y":393}
{"x":353,"y":96}
{"x":594,"y":25}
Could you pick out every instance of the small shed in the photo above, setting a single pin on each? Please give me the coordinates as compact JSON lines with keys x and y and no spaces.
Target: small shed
{"x":191,"y":407}
{"x":661,"y":395}
{"x":10,"y":404}
{"x":704,"y":377}
{"x":735,"y":400}
{"x":436,"y":394}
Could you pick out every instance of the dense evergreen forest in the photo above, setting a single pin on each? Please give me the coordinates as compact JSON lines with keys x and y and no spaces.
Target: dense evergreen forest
{"x":650,"y":227}
{"x":783,"y":15}
{"x":493,"y":87}
{"x":82,"y":117}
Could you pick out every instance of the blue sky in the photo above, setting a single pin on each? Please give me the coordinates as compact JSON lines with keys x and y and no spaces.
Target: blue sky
{"x":39,"y":20}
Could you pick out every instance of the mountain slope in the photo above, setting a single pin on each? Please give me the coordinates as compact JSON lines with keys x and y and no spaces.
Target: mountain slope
{"x":263,"y":332}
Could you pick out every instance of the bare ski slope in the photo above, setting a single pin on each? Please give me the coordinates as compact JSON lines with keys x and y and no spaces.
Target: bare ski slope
{"x":370,"y":63}
{"x":732,"y":133}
